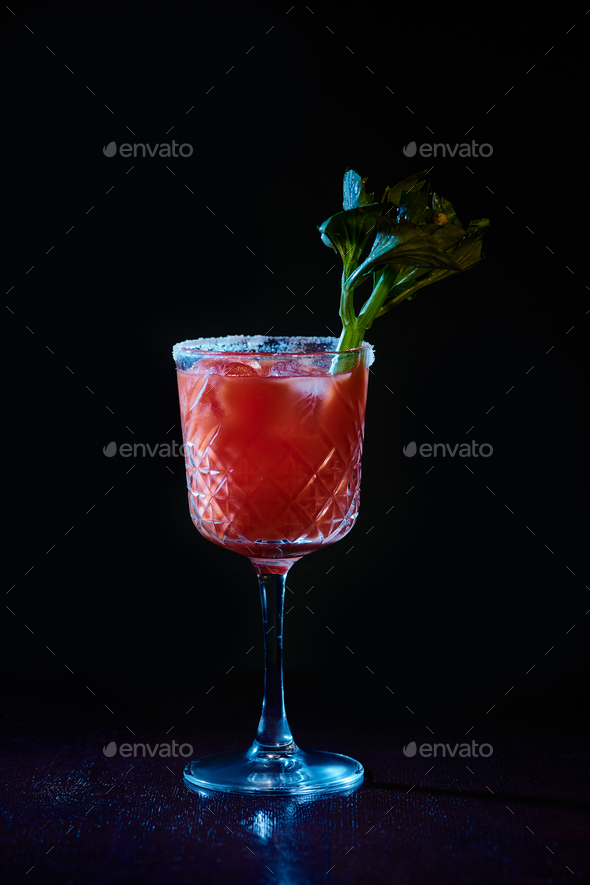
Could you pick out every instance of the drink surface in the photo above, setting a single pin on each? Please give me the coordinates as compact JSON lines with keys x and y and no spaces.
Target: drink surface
{"x":273,"y":450}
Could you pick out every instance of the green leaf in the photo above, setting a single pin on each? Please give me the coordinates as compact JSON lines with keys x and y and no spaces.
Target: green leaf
{"x":402,"y":243}
{"x":354,"y":191}
{"x":479,"y":223}
{"x":348,"y":232}
{"x":413,"y":183}
{"x":439,"y":204}
{"x":446,"y":235}
{"x":413,"y":206}
{"x":467,"y":254}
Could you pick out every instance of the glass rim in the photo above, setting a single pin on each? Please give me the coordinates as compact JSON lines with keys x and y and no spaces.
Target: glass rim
{"x":184,"y":348}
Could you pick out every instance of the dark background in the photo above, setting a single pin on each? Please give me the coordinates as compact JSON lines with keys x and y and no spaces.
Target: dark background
{"x":460,"y":580}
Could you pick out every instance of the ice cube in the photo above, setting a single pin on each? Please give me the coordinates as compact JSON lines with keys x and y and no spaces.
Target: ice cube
{"x":244,"y":367}
{"x":298,"y":368}
{"x":202,"y":366}
{"x":322,"y":362}
{"x":284,"y":368}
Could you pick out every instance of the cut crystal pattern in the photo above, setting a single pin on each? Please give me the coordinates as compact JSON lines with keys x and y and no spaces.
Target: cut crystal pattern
{"x":315,"y":505}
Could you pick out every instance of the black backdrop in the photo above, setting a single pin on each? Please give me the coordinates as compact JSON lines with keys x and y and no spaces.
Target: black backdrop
{"x":461,"y":578}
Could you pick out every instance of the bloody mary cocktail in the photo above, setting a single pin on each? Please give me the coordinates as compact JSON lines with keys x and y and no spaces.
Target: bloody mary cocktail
{"x":273,"y":435}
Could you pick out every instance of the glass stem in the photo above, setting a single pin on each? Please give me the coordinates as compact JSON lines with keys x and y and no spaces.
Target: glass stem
{"x":274,"y":734}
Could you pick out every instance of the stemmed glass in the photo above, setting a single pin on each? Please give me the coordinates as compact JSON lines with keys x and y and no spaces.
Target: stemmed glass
{"x":273,"y":436}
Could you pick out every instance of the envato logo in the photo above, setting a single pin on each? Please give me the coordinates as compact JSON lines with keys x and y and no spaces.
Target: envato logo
{"x":126,"y":450}
{"x":465,"y":450}
{"x":446,"y":750}
{"x":162,"y":150}
{"x":463,"y":150}
{"x":165,"y":750}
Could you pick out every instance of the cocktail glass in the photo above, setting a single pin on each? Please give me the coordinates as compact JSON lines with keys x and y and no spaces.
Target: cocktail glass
{"x":273,"y":436}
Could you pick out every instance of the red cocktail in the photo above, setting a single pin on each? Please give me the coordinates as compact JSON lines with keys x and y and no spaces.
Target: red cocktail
{"x":273,"y":438}
{"x":273,"y":450}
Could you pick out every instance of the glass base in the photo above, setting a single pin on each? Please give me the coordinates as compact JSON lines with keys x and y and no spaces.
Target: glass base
{"x":311,"y":771}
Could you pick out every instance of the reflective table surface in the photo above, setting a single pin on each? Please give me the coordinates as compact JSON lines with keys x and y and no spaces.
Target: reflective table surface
{"x":75,"y":815}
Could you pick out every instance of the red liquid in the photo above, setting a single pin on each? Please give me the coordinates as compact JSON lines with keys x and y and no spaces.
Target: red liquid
{"x":273,"y":463}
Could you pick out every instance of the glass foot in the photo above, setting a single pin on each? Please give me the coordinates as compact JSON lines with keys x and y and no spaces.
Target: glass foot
{"x":312,"y":771}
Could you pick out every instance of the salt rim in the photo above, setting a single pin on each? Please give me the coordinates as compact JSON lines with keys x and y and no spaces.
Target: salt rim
{"x":261,"y":344}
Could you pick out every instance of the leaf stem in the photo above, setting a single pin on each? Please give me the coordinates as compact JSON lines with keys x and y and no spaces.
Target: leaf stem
{"x":353,"y":327}
{"x":373,"y":305}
